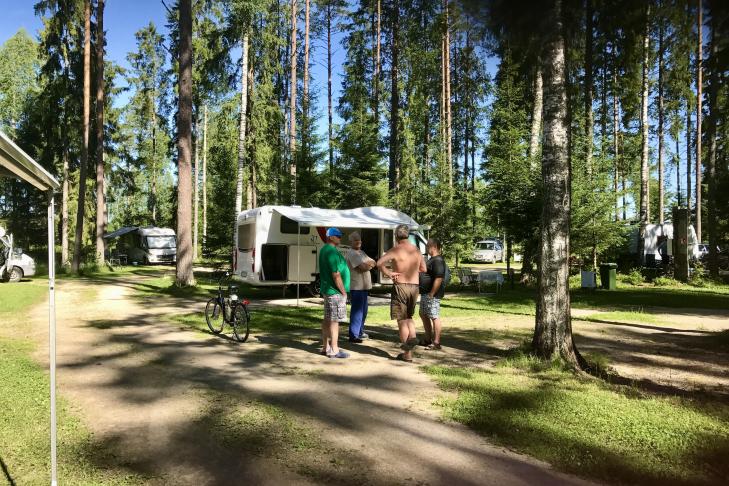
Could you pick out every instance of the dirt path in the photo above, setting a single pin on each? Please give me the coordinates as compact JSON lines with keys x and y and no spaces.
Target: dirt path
{"x":176,"y":406}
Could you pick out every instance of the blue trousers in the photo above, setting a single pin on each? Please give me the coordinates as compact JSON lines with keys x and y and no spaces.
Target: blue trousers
{"x":357,"y":312}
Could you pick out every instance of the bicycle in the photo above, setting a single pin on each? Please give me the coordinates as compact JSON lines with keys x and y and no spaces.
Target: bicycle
{"x":221,"y":310}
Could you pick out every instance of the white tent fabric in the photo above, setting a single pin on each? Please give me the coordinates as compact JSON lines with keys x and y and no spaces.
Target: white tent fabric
{"x":369,"y":217}
{"x":15,"y":163}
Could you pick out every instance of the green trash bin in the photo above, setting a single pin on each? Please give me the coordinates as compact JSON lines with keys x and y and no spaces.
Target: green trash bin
{"x":608,"y":275}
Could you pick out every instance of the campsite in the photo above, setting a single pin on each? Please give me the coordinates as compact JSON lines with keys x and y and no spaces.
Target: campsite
{"x":364,"y":242}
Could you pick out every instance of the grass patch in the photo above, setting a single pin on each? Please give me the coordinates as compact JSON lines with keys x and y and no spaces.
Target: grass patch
{"x":266,"y":430}
{"x":25,"y":405}
{"x":637,"y":316}
{"x":590,"y":428}
{"x":24,"y":428}
{"x":15,"y":297}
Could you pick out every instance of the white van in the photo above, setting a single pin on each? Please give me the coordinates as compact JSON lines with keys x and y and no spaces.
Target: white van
{"x":145,"y":245}
{"x":279,"y":245}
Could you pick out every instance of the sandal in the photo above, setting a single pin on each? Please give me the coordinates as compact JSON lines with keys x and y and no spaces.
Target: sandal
{"x":340,"y":354}
{"x":425,"y":342}
{"x":433,"y":347}
{"x":409,"y":344}
{"x":401,"y":357}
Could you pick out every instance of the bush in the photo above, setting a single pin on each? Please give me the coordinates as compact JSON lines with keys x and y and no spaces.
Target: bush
{"x":666,"y":282}
{"x":633,"y":278}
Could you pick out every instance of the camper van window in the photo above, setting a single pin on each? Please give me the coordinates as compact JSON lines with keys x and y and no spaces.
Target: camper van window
{"x":288,"y":226}
{"x":246,"y":235}
{"x":159,"y":242}
{"x":388,"y":240}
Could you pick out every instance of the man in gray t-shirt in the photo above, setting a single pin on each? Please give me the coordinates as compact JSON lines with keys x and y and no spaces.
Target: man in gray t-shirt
{"x":360,"y":283}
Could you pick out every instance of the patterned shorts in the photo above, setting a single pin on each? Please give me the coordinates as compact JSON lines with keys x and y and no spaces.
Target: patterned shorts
{"x":429,"y":307}
{"x":335,"y":307}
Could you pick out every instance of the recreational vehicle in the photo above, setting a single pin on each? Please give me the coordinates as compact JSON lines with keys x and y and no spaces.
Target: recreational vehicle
{"x":145,"y":244}
{"x":279,"y":245}
{"x":658,"y":243}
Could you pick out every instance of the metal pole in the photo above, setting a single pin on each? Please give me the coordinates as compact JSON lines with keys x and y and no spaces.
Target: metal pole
{"x":52,"y":330}
{"x":298,"y":260}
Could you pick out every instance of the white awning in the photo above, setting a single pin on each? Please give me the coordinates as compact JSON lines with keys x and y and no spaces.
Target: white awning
{"x":15,"y":163}
{"x":369,"y":217}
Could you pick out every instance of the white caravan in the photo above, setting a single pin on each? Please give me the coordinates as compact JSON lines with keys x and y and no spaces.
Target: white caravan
{"x":658,"y":242}
{"x":145,"y":244}
{"x":279,"y":245}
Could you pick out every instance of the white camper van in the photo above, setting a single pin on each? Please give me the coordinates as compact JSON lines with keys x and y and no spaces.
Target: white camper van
{"x":145,"y":245}
{"x":279,"y":245}
{"x":658,"y":242}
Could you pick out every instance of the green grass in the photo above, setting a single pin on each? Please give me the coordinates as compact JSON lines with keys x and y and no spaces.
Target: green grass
{"x":590,"y":428}
{"x":259,"y":429}
{"x":638,"y":316}
{"x":15,"y":297}
{"x":25,"y":405}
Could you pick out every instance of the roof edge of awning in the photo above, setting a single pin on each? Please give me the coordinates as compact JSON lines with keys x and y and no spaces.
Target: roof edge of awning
{"x":23,"y":166}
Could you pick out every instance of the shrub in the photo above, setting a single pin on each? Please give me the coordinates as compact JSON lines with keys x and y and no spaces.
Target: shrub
{"x":633,"y":278}
{"x":666,"y":282}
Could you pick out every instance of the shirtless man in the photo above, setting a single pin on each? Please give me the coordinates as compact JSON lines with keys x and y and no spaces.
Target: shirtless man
{"x":407,"y":262}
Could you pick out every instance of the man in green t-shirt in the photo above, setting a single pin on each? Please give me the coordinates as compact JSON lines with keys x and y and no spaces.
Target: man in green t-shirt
{"x":334,"y":277}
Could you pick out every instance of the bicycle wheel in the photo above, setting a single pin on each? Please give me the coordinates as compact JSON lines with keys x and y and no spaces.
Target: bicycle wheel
{"x":239,"y":322}
{"x":214,"y":316}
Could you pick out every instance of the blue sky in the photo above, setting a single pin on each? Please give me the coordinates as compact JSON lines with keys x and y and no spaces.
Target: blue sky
{"x":123,"y":18}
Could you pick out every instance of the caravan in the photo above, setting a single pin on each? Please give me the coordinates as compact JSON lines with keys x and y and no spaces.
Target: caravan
{"x":279,"y":245}
{"x":145,"y":245}
{"x":658,"y":243}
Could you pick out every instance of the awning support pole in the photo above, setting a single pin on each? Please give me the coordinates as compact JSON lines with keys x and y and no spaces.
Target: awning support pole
{"x":298,"y":261}
{"x":52,"y":329}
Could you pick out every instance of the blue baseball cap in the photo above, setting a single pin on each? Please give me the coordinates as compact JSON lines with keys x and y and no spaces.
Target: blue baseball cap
{"x":334,"y":232}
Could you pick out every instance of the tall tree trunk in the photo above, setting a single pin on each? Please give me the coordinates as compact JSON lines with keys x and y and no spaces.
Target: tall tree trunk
{"x":589,"y":117}
{"x":688,"y":158}
{"x":699,"y":116}
{"x":678,"y":173}
{"x":65,"y":262}
{"x":100,"y":202}
{"x":153,"y":175}
{"x":447,"y":83}
{"x":242,"y":126}
{"x":205,"y":180}
{"x":378,"y":63}
{"x":195,"y":187}
{"x":305,"y":129}
{"x":711,"y":159}
{"x":589,"y":121}
{"x":536,"y":129}
{"x":616,"y":148}
{"x":661,"y":183}
{"x":292,"y":103}
{"x":329,"y":89}
{"x":64,"y":210}
{"x":184,"y":274}
{"x":394,"y":104}
{"x":644,"y":163}
{"x":78,"y":242}
{"x":252,"y":192}
{"x":553,"y":328}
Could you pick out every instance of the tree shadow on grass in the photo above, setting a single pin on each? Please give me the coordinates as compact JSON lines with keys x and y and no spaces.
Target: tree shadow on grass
{"x":6,"y":473}
{"x":225,"y":444}
{"x":520,"y":418}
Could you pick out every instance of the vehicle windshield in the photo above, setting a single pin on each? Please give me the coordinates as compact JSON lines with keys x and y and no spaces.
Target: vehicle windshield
{"x":485,"y":245}
{"x":158,"y":242}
